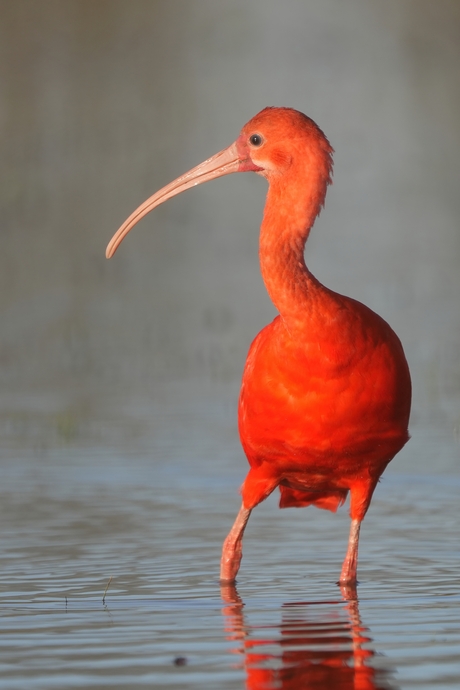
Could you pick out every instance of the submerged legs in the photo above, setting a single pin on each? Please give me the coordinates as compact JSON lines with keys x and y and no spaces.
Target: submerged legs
{"x":232,"y":550}
{"x":350,"y":564}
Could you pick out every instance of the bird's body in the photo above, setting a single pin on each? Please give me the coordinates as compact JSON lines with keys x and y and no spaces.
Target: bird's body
{"x":317,"y":417}
{"x":325,"y":397}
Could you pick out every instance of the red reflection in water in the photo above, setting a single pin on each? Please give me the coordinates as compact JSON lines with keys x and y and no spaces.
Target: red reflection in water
{"x":308,"y":650}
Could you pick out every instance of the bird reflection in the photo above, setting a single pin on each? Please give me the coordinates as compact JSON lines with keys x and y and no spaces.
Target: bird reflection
{"x":317,"y":645}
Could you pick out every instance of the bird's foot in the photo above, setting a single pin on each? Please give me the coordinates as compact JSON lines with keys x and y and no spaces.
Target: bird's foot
{"x":348,"y":590}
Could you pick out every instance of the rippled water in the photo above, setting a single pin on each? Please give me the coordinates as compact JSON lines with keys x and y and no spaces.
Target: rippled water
{"x":151,"y":510}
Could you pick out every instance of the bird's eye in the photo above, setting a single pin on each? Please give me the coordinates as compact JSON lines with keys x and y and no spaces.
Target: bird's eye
{"x":256,"y":140}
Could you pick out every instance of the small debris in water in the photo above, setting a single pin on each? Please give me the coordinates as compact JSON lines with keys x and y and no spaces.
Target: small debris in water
{"x":105,"y":592}
{"x":180,"y":661}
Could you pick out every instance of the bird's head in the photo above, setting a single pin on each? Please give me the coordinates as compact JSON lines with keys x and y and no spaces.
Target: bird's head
{"x":278,"y":143}
{"x":279,"y":140}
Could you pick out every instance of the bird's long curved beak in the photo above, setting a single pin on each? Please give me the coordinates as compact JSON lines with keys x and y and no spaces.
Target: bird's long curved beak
{"x":222,"y":163}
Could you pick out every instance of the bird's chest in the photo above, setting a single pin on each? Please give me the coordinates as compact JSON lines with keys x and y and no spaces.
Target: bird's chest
{"x":309,"y":394}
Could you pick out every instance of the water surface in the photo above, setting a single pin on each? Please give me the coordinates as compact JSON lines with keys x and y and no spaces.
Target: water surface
{"x":150,"y":509}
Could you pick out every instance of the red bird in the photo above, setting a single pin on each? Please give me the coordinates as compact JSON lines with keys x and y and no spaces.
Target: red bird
{"x":326,"y":392}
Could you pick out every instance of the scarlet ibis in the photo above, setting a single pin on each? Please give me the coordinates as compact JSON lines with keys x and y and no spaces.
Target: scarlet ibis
{"x":326,"y":390}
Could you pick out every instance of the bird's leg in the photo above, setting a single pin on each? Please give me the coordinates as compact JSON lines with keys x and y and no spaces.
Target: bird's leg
{"x":350,"y":564}
{"x":232,"y":550}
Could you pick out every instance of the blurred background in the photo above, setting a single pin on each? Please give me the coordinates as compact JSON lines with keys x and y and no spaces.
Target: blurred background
{"x":102,"y":103}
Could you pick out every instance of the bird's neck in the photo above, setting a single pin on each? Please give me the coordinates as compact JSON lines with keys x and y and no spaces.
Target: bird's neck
{"x":289,"y":214}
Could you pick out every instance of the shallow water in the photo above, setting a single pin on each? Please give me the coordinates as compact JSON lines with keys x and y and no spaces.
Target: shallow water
{"x":150,"y":510}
